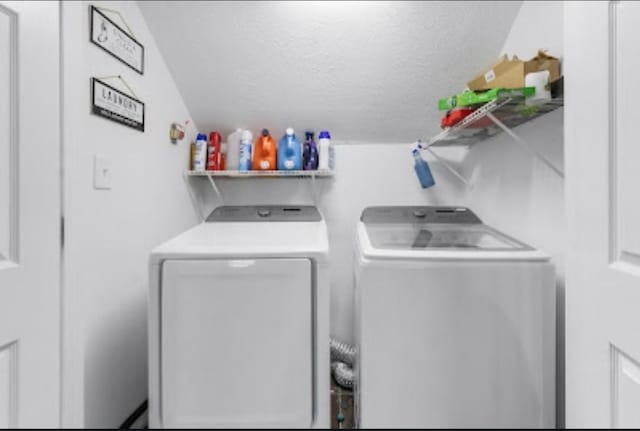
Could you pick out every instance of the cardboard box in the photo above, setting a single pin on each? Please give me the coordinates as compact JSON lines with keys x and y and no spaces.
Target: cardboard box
{"x":470,"y":98}
{"x":508,"y":73}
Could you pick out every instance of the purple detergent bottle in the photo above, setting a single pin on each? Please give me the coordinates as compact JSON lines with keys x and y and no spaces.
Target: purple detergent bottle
{"x":309,"y":152}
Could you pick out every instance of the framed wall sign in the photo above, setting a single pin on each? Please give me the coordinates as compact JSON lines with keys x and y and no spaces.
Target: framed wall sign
{"x":113,"y":104}
{"x":113,"y":39}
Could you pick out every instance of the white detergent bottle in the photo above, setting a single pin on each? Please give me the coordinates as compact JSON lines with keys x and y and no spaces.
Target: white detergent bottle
{"x":200,"y":157}
{"x":325,"y":151}
{"x":232,"y":161}
{"x":245,"y":151}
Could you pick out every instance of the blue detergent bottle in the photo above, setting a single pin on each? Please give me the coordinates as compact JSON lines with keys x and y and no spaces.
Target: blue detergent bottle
{"x":289,"y":152}
{"x":422,"y":170}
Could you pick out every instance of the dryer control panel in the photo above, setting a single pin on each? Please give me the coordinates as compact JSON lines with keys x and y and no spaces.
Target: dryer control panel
{"x":265,"y":213}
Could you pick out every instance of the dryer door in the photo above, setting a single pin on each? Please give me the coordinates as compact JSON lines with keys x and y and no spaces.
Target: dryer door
{"x":236,"y":343}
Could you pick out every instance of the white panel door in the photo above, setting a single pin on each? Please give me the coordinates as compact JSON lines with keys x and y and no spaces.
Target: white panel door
{"x":236,"y":343}
{"x":29,"y":214}
{"x":602,"y":117}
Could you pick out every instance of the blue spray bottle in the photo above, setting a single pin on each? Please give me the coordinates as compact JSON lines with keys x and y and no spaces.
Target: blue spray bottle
{"x":422,"y":168}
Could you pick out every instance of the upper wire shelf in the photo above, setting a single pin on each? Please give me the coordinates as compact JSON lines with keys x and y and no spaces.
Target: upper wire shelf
{"x":511,"y":111}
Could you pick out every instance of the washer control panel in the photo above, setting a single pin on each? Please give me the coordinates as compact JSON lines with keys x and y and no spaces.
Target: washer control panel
{"x":416,"y":214}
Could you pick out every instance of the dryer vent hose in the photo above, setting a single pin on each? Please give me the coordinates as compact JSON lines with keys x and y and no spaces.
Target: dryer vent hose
{"x":342,"y":359}
{"x":342,"y":352}
{"x":343,"y":374}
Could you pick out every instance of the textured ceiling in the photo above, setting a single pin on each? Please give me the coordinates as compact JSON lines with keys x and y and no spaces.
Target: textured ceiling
{"x":367,"y":71}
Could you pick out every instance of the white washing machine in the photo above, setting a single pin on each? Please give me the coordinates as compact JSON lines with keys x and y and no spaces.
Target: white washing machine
{"x":239,"y":322}
{"x":455,"y":323}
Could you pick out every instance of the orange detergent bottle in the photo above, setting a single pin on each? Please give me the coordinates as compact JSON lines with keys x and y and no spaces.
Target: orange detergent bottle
{"x":264,"y":152}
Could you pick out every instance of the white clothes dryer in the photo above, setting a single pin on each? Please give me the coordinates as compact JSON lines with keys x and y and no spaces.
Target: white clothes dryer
{"x":239,"y":322}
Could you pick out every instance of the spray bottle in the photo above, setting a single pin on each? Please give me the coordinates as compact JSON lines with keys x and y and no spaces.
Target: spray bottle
{"x":422,"y":167}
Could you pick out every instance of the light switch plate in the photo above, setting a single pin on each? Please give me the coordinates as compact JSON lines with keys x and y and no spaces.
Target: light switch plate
{"x":102,"y":173}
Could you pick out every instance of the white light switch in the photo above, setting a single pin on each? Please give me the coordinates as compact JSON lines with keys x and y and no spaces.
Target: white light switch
{"x":102,"y":173}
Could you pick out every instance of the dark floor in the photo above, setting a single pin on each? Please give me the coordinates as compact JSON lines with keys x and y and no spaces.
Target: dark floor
{"x":341,"y":407}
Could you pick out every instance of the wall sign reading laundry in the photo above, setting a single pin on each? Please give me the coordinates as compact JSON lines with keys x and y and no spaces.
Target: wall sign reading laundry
{"x":117,"y":106}
{"x":116,"y":41}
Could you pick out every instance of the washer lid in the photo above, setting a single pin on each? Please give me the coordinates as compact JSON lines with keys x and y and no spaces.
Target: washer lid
{"x":430,"y":231}
{"x":420,"y":236}
{"x":432,"y":227}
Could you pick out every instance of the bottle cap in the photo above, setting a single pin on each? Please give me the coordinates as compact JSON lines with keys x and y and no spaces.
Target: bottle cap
{"x":289,"y":131}
{"x":324,"y":135}
{"x":265,"y":132}
{"x":308,"y":134}
{"x":246,"y":135}
{"x":201,"y":137}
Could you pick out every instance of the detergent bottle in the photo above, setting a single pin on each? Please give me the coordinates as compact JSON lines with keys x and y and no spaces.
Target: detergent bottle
{"x":289,"y":152}
{"x":223,"y":156}
{"x":245,"y":151}
{"x":200,"y":157}
{"x":326,"y":151}
{"x":213,"y":151}
{"x":264,"y":152}
{"x":233,"y":151}
{"x":309,"y":152}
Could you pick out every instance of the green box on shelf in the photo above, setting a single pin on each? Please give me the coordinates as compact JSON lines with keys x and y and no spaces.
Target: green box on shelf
{"x":469,"y":98}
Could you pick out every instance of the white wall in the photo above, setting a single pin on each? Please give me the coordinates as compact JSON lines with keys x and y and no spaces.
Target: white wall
{"x":513,"y":191}
{"x":537,"y":25}
{"x":109,"y":233}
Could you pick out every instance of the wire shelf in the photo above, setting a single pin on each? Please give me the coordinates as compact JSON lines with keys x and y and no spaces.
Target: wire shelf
{"x":511,"y":111}
{"x":262,"y":174}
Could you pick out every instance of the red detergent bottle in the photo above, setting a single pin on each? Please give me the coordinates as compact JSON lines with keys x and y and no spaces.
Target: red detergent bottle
{"x":213,"y":151}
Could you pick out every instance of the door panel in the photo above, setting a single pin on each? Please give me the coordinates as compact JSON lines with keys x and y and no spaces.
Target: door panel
{"x":603,"y":271}
{"x":626,"y":118}
{"x":236,"y":343}
{"x":8,"y":141}
{"x":8,"y":390}
{"x":29,"y":214}
{"x":8,"y":110}
{"x":625,"y":390}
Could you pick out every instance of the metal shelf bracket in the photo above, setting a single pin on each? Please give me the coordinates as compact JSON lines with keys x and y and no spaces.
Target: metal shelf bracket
{"x":444,"y":163}
{"x":525,"y":144}
{"x":215,"y":188}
